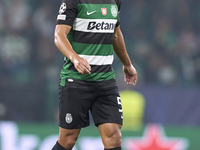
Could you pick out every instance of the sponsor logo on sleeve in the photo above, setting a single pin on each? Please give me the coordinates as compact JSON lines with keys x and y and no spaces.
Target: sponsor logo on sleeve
{"x":61,"y":17}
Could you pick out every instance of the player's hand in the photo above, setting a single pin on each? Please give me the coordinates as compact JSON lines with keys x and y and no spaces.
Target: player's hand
{"x":130,"y":75}
{"x":81,"y":65}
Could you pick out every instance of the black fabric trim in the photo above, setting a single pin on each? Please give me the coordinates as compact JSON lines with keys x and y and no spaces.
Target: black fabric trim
{"x":93,"y":38}
{"x":94,"y":68}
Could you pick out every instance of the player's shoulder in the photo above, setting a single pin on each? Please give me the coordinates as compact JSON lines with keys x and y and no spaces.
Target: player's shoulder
{"x":68,"y":5}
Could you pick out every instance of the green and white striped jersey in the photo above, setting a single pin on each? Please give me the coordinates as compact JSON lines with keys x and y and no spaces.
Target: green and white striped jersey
{"x":93,"y":23}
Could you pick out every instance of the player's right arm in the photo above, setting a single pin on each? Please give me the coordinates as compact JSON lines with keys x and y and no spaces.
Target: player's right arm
{"x":66,"y":17}
{"x":62,"y":43}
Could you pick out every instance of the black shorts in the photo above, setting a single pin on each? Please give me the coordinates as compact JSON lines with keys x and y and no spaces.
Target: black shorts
{"x":77,"y":98}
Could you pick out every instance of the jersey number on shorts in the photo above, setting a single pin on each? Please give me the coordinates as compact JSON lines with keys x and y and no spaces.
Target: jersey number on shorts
{"x":119,"y":103}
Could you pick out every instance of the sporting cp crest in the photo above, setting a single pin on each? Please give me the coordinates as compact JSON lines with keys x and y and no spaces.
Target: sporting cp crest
{"x":114,"y":11}
{"x":68,"y":118}
{"x":104,"y":11}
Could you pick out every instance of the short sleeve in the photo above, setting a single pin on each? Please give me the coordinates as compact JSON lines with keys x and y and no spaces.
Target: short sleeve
{"x":118,"y":2}
{"x":67,"y":12}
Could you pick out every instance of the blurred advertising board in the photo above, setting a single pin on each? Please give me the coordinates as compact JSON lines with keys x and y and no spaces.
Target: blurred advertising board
{"x":41,"y":136}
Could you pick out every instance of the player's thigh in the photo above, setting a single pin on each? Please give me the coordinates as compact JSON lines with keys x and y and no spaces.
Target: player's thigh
{"x":107,"y":107}
{"x":108,"y":129}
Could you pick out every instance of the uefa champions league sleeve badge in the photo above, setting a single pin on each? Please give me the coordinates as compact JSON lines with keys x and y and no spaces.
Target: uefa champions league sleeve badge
{"x":63,"y":8}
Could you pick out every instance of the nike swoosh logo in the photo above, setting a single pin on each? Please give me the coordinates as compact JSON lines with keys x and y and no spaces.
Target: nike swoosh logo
{"x":89,"y":13}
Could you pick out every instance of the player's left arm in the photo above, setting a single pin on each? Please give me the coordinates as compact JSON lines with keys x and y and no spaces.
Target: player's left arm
{"x":130,"y":73}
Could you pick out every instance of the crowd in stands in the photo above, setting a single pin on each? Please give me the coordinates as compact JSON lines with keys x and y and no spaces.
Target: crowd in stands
{"x":164,"y":40}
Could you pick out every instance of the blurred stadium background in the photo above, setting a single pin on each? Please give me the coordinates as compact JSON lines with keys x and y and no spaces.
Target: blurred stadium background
{"x":161,"y":113}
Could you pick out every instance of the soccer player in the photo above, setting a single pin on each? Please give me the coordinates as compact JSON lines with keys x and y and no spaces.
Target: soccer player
{"x":86,"y":33}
